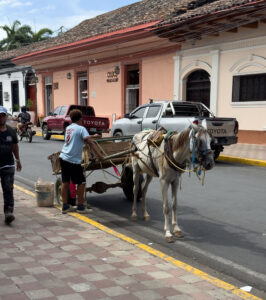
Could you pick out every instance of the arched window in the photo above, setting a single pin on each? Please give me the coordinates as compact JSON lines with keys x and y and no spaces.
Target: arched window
{"x":198,"y":87}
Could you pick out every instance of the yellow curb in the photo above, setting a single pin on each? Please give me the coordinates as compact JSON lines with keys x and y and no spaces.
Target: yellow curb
{"x":241,"y":160}
{"x":59,"y":137}
{"x":215,"y":281}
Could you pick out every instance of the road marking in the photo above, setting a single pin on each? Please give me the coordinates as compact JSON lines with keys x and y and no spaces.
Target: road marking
{"x":215,"y":281}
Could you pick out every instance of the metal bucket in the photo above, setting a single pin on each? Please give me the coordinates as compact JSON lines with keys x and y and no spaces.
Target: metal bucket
{"x":44,"y":194}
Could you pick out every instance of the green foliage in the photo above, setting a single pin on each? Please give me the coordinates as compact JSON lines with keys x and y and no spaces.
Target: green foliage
{"x":29,"y":104}
{"x":16,"y":107}
{"x":19,"y":36}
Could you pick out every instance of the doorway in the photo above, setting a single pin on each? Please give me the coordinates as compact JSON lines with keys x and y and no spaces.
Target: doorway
{"x":198,"y":87}
{"x":15,"y":95}
{"x":132,"y":87}
{"x":48,"y":94}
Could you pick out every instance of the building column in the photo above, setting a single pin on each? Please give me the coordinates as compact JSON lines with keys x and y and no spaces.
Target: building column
{"x":214,"y":81}
{"x":177,"y":66}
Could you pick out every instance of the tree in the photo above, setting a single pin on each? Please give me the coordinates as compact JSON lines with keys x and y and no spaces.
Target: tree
{"x":19,"y":36}
{"x":41,"y":35}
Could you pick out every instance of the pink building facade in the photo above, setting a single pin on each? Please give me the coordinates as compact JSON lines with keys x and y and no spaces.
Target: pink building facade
{"x":118,"y":71}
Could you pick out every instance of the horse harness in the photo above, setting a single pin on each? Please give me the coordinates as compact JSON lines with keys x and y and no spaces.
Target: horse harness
{"x":168,"y":150}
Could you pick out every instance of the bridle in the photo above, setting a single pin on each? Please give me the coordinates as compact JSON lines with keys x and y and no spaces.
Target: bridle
{"x":197,"y":154}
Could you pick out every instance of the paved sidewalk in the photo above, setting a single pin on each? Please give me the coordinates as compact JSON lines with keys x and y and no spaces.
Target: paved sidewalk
{"x":47,"y":255}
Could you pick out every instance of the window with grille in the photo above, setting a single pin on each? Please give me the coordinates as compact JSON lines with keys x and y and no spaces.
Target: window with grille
{"x":249,"y":88}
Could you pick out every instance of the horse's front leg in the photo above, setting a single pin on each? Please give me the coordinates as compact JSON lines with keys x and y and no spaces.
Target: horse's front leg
{"x":148,"y":179}
{"x":168,"y":234}
{"x":136,"y":173}
{"x":176,"y":229}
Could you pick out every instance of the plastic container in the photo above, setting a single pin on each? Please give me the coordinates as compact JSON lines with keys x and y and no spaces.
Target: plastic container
{"x":44,"y":193}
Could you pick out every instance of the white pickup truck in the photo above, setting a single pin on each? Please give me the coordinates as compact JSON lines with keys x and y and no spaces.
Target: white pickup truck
{"x":178,"y":115}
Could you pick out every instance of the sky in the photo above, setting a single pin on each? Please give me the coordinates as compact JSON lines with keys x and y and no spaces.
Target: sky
{"x":54,"y":13}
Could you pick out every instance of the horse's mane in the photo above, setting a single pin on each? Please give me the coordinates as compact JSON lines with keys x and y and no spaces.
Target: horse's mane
{"x":180,"y":139}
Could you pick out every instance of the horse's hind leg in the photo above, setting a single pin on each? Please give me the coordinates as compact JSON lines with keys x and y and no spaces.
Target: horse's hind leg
{"x":168,"y":234}
{"x":148,"y":179}
{"x":176,"y":230}
{"x":136,"y":172}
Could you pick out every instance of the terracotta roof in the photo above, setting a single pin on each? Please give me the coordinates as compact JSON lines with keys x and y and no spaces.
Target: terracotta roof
{"x":145,"y":11}
{"x":205,"y":7}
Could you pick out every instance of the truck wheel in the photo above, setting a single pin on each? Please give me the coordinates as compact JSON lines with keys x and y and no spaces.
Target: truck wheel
{"x":118,"y":133}
{"x":127,"y":183}
{"x":45,"y":134}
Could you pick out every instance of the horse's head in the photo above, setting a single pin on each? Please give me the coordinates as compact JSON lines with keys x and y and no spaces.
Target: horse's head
{"x":200,"y":146}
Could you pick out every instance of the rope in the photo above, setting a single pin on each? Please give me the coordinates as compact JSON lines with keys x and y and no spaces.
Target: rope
{"x":195,"y":170}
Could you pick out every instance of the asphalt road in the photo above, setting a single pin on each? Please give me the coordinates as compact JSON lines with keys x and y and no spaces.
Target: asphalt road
{"x":223,"y":221}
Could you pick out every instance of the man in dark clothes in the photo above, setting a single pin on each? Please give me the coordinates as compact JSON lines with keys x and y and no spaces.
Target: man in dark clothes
{"x":23,"y":118}
{"x":8,"y":149}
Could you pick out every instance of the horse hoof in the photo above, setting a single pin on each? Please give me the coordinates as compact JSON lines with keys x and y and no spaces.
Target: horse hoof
{"x":179,"y":234}
{"x":147,"y":218}
{"x":169,"y":239}
{"x":133,"y":218}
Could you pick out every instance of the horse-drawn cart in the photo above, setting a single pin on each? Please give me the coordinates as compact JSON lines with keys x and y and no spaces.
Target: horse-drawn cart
{"x":116,"y":152}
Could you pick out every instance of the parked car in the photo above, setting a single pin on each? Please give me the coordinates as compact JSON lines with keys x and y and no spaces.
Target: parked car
{"x":178,"y":115}
{"x":57,"y":121}
{"x":11,"y":122}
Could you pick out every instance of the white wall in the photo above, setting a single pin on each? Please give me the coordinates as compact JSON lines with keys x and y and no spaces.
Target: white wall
{"x":6,"y":87}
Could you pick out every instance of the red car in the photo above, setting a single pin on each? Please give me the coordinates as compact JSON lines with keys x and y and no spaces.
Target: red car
{"x":57,"y":122}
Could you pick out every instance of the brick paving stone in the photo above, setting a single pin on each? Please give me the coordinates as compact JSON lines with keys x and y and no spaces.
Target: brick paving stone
{"x":8,"y":289}
{"x":191,"y":278}
{"x":103,"y":268}
{"x":94,"y":277}
{"x":167,"y":291}
{"x":64,"y":273}
{"x":114,"y":291}
{"x":148,"y":294}
{"x":80,"y":287}
{"x":71,"y":297}
{"x":139,"y":262}
{"x":39,"y":294}
{"x":151,"y":284}
{"x":180,"y":297}
{"x":160,"y":275}
{"x":101,"y":284}
{"x":15,"y":297}
{"x":132,"y":271}
{"x":187,"y":288}
{"x":93,"y":294}
{"x":23,"y":279}
{"x":124,"y":280}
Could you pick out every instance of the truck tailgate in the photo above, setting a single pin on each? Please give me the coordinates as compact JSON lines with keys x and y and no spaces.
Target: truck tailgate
{"x":95,"y":122}
{"x":220,"y":127}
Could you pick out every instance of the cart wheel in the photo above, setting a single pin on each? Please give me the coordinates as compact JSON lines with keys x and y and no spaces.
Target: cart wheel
{"x":58,"y":192}
{"x":127,"y":183}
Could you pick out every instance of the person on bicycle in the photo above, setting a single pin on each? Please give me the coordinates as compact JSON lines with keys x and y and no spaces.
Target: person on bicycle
{"x":23,"y":118}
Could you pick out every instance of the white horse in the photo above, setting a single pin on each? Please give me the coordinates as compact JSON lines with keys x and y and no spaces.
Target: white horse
{"x":168,"y":161}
